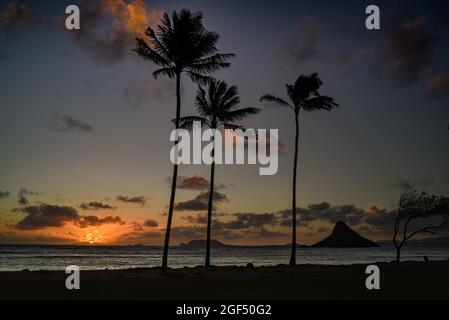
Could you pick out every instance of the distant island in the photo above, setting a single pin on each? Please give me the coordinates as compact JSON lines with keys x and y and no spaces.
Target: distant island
{"x":428,"y":242}
{"x":344,"y":237}
{"x":194,"y":244}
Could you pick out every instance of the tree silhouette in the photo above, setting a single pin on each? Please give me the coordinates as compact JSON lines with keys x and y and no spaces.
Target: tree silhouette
{"x":217,"y":110}
{"x":181,"y":44}
{"x":419,"y":208}
{"x":303,"y":95}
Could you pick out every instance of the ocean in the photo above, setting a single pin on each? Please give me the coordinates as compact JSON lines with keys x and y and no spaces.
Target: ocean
{"x":16,"y":258}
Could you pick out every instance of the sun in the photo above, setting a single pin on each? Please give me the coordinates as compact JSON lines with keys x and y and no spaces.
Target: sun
{"x":93,"y":237}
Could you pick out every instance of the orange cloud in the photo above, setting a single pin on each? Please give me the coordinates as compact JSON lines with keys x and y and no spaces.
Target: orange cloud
{"x":133,"y":17}
{"x":439,"y":87}
{"x":109,"y":27}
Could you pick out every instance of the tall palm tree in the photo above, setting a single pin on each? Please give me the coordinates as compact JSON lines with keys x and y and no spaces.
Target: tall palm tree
{"x":303,"y":95}
{"x":181,"y":45}
{"x":217,"y":110}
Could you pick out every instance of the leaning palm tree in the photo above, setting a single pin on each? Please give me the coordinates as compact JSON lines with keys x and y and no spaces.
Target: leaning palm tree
{"x":217,"y":110}
{"x":303,"y":95}
{"x":181,"y":45}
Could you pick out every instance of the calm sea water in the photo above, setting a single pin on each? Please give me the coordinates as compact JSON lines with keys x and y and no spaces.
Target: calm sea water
{"x":93,"y":258}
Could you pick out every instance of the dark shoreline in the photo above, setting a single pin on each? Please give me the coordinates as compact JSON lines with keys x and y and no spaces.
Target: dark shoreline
{"x":408,"y":280}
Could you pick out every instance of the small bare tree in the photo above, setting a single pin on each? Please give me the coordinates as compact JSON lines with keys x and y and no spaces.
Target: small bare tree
{"x":430,"y":214}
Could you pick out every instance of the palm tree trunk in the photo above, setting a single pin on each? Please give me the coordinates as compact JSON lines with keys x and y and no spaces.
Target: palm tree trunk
{"x":174,"y":180}
{"x":295,"y":167}
{"x":209,"y":211}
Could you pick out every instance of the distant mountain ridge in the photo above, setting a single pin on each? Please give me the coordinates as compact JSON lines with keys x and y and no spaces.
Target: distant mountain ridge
{"x":193,"y":244}
{"x":344,"y":237}
{"x":440,"y":241}
{"x":202,"y":244}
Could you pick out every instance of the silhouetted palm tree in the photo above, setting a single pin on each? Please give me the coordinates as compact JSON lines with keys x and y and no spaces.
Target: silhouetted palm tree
{"x":216,"y":109}
{"x":181,"y":44}
{"x":303,"y":95}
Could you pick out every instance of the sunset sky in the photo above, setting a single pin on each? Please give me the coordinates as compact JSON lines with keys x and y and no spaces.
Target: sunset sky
{"x":84,"y":128}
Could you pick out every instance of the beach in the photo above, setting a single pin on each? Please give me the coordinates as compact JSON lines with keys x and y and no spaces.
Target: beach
{"x":407,"y":280}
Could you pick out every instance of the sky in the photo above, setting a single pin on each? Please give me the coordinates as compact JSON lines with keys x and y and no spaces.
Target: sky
{"x":84,"y":127}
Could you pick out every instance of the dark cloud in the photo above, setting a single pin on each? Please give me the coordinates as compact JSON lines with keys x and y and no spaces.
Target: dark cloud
{"x":137,"y":227}
{"x":249,"y":220}
{"x":138,"y":236}
{"x":217,"y":197}
{"x":323,"y":230}
{"x":250,"y":225}
{"x":200,"y":202}
{"x":199,"y":219}
{"x":139,"y":200}
{"x":150,"y":89}
{"x":191,"y":232}
{"x":34,"y":240}
{"x":23,"y":194}
{"x":4,"y":194}
{"x":13,"y":13}
{"x":407,"y":185}
{"x":380,"y":219}
{"x":404,"y":55}
{"x":68,"y":123}
{"x":302,"y":47}
{"x":253,"y":225}
{"x":193,"y":183}
{"x":241,"y":226}
{"x":23,"y":201}
{"x":109,"y":27}
{"x":323,"y":212}
{"x":411,"y":44}
{"x":438,"y":88}
{"x":45,"y":215}
{"x":264,"y":233}
{"x":151,"y":234}
{"x":191,"y":205}
{"x":151,"y":223}
{"x":95,"y":205}
{"x":94,"y":221}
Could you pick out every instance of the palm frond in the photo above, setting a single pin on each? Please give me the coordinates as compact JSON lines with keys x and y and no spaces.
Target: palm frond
{"x":216,"y":58}
{"x":304,"y":87}
{"x":199,"y":78}
{"x":144,"y":51}
{"x":276,"y":100}
{"x":169,"y":72}
{"x":237,"y":115}
{"x":187,"y":122}
{"x":229,"y":104}
{"x":180,"y":43}
{"x":158,"y":46}
{"x":205,"y":43}
{"x":230,"y":98}
{"x":210,"y":63}
{"x":201,"y":100}
{"x":319,"y":103}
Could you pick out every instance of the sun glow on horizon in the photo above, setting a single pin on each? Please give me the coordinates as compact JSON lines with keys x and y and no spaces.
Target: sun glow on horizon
{"x":93,"y":237}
